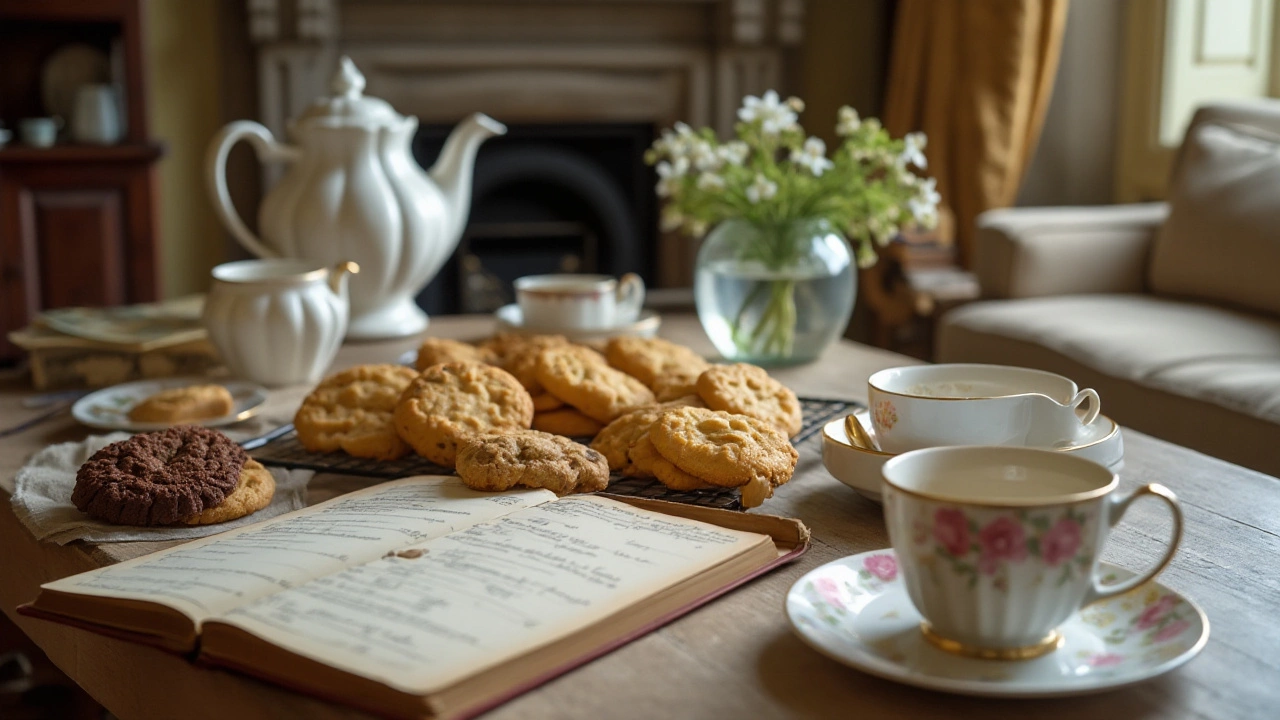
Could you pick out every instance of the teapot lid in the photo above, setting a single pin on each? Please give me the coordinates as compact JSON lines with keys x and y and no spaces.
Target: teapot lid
{"x":348,"y":105}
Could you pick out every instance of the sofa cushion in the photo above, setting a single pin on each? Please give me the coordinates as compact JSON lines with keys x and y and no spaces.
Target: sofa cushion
{"x":1200,"y":376}
{"x":1222,"y":239}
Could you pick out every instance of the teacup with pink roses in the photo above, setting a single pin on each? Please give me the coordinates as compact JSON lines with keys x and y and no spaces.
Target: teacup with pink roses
{"x":998,"y":546}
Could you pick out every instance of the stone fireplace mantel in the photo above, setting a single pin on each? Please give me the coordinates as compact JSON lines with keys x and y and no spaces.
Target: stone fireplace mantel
{"x":534,"y":61}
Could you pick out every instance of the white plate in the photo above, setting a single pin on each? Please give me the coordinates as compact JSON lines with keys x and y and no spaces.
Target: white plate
{"x":858,"y":613}
{"x":69,"y":67}
{"x":108,"y":409}
{"x":510,"y":319}
{"x":1101,"y":441}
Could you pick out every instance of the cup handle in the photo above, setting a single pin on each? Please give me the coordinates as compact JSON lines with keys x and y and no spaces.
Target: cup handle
{"x":1115,"y":511}
{"x":1095,"y":405}
{"x":630,"y":298}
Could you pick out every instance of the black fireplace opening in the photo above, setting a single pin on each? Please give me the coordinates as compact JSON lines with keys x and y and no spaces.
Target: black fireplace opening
{"x":547,"y":198}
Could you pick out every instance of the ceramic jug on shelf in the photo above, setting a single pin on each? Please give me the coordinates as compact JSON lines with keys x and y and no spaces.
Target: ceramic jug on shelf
{"x":354,"y":192}
{"x":278,"y":322}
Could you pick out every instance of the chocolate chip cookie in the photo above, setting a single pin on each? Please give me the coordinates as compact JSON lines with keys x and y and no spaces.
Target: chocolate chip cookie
{"x":618,"y":436}
{"x":353,"y":411}
{"x":450,"y":401}
{"x":748,"y":390}
{"x":646,"y":461}
{"x":647,"y":359}
{"x":502,"y":460}
{"x":566,"y":421}
{"x":582,"y":378}
{"x":434,"y":351}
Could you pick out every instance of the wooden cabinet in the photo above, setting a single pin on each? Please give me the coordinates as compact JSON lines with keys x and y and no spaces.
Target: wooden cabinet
{"x":76,"y":228}
{"x":77,"y":222}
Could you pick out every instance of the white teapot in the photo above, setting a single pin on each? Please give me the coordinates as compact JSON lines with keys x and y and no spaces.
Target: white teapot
{"x":354,"y":192}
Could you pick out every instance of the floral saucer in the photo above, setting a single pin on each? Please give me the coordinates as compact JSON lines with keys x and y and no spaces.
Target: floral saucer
{"x":856,"y":610}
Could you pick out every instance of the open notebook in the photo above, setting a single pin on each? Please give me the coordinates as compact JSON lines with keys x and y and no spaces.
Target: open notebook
{"x":423,"y":598}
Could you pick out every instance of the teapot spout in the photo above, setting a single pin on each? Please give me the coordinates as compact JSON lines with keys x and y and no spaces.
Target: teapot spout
{"x":453,"y":170}
{"x":338,"y":276}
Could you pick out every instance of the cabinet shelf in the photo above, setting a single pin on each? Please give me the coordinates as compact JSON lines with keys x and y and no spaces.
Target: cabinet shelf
{"x":146,"y":152}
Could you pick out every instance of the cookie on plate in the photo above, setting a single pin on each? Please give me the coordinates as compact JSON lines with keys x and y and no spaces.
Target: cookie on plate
{"x":448,"y":402}
{"x":748,"y":390}
{"x":616,"y":438}
{"x":253,"y":492}
{"x":582,"y":378}
{"x":647,"y":359}
{"x":566,"y":421}
{"x":647,"y":461}
{"x":434,"y":351}
{"x":159,"y":478}
{"x":502,"y":460}
{"x":184,"y":404}
{"x":352,"y":411}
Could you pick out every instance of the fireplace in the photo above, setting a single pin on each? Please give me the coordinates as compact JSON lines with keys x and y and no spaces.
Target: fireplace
{"x":561,"y":197}
{"x":582,"y":84}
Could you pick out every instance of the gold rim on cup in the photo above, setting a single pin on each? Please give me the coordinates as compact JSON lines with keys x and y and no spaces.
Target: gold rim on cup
{"x":1051,"y":642}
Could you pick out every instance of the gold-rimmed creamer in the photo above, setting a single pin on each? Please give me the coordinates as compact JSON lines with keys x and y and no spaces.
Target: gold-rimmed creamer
{"x":278,"y":322}
{"x":998,"y":546}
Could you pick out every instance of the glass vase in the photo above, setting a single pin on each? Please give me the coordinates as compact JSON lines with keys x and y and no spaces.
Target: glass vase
{"x":774,"y":294}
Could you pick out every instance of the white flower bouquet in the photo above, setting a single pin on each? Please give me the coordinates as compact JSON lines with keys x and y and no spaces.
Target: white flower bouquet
{"x":772,"y":175}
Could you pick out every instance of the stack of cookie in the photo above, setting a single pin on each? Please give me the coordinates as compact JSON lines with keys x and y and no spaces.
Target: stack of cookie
{"x":185,"y":475}
{"x":501,"y":413}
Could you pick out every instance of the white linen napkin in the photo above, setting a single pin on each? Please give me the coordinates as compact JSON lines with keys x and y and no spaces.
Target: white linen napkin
{"x":42,"y":499}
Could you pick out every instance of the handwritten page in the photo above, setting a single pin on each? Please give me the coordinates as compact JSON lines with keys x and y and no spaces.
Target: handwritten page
{"x":211,"y":576}
{"x":445,"y":609}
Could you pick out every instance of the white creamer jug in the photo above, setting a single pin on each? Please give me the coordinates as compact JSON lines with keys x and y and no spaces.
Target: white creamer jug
{"x":278,"y":322}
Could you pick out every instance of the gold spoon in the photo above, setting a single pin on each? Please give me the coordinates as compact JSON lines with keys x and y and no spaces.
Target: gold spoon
{"x":858,"y":435}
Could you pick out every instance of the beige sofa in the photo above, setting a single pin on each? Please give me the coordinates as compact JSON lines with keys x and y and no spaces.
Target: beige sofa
{"x":1171,"y":311}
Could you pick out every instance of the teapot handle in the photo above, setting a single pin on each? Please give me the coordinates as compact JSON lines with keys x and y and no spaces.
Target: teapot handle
{"x":267,"y":149}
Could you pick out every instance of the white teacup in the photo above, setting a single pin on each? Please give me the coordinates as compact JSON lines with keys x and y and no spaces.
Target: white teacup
{"x":998,"y":546}
{"x":931,"y":405}
{"x":579,"y":302}
{"x":41,"y":132}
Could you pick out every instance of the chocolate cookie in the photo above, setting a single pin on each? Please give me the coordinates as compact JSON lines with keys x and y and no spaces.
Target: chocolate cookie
{"x":159,"y":478}
{"x":500,"y":461}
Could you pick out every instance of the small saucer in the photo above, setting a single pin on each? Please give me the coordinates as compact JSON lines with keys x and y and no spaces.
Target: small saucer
{"x":108,"y":409}
{"x":859,"y":468}
{"x":856,"y":610}
{"x":510,"y":319}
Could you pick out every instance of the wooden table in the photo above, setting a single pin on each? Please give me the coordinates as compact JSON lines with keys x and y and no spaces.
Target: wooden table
{"x":737,"y":657}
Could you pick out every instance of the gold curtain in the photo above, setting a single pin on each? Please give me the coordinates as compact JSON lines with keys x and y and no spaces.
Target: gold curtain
{"x":976,"y":76}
